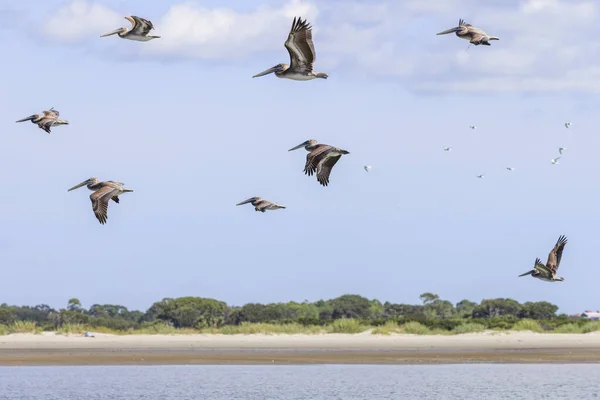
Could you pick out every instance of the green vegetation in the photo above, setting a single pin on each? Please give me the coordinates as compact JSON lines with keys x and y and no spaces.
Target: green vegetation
{"x":344,"y":314}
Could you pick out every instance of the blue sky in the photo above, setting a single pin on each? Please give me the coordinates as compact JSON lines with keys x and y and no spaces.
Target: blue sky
{"x":181,"y":122}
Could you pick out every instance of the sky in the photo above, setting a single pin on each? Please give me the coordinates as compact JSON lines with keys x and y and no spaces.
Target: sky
{"x":181,"y":121}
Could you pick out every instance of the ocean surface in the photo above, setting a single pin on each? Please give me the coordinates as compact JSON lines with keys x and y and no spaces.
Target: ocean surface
{"x":314,"y":382}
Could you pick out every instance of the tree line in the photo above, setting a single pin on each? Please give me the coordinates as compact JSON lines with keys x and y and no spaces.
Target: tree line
{"x":199,"y":312}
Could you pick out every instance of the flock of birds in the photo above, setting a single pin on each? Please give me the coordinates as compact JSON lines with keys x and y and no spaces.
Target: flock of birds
{"x":553,"y":161}
{"x":321,"y":158}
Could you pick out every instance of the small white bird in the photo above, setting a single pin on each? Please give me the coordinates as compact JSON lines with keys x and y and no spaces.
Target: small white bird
{"x":561,"y":149}
{"x":510,"y":168}
{"x":367,"y":168}
{"x":472,"y":127}
{"x":480,"y":176}
{"x":567,"y":124}
{"x":447,"y":148}
{"x":555,"y":160}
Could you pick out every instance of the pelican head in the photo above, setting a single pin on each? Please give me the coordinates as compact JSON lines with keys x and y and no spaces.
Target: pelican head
{"x":116,"y":31}
{"x":451,"y":30}
{"x":89,"y":181}
{"x":527,"y":273}
{"x":306,"y":144}
{"x":277,"y":69}
{"x":250,"y":200}
{"x":30,"y":118}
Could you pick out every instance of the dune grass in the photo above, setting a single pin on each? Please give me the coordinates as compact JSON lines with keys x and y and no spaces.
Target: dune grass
{"x":346,"y":325}
{"x":24,"y":327}
{"x":414,"y":328}
{"x":468,"y":327}
{"x":386,"y":329}
{"x":527,"y":325}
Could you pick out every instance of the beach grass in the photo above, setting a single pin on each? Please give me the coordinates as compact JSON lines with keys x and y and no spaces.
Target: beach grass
{"x":344,"y":325}
{"x":347,"y":325}
{"x":414,"y":328}
{"x":20,"y":327}
{"x":468,"y":327}
{"x":386,"y":329}
{"x":527,"y":325}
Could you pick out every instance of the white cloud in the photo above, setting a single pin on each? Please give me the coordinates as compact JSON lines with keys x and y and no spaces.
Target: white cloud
{"x":542,"y":42}
{"x":79,"y":20}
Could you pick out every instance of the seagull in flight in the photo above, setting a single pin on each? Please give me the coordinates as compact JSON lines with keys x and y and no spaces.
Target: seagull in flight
{"x":561,"y":149}
{"x":555,"y":160}
{"x":447,"y":148}
{"x":567,"y":124}
{"x":472,"y":127}
{"x":480,"y":176}
{"x":367,"y":168}
{"x":510,"y":168}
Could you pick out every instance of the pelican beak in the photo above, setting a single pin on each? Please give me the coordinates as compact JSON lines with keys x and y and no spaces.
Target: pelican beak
{"x":267,"y":71}
{"x":527,"y":273}
{"x":112,"y":33}
{"x":79,"y":185}
{"x":449,"y":31}
{"x":31,"y":117}
{"x":246,"y":201}
{"x":303,"y":144}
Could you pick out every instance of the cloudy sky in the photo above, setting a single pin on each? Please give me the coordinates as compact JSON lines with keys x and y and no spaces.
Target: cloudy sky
{"x":180,"y":120}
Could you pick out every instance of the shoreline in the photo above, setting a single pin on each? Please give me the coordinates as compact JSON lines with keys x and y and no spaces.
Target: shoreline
{"x":515,"y":347}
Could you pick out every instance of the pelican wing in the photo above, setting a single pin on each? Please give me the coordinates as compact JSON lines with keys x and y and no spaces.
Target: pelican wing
{"x":300,"y":46}
{"x":541,"y":268}
{"x":314,"y":157}
{"x":51,"y":113}
{"x":141,"y":26}
{"x":100,"y":200}
{"x":556,"y":254}
{"x":325,"y":166}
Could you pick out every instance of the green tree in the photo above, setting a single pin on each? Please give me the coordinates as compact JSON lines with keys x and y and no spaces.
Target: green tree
{"x":74,"y":305}
{"x":492,"y":308}
{"x":428,"y":298}
{"x":465,"y":307}
{"x":538,"y":310}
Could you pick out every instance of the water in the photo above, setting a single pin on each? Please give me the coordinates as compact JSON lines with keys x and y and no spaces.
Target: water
{"x":315,"y":382}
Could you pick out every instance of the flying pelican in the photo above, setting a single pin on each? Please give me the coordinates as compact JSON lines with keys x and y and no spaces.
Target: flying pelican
{"x":103,"y":192}
{"x":555,"y":160}
{"x":302,"y":55}
{"x":320,"y":159}
{"x":138,"y":31}
{"x":447,"y":148}
{"x":510,"y":168}
{"x":474,"y":35}
{"x":47,"y":120}
{"x":561,"y":149}
{"x":367,"y":168}
{"x":567,"y":124}
{"x":548,"y":272}
{"x":261,"y":205}
{"x":472,"y":127}
{"x":480,"y":176}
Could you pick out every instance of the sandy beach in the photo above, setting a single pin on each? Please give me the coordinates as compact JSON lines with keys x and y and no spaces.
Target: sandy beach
{"x":491,"y":347}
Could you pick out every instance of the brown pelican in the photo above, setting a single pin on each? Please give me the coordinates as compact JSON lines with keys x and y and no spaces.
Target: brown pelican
{"x":302,"y":55}
{"x":47,"y":120}
{"x":548,"y":272}
{"x":103,"y":193}
{"x":139,"y":30}
{"x":320,"y":159}
{"x":467,"y":31}
{"x":261,"y":205}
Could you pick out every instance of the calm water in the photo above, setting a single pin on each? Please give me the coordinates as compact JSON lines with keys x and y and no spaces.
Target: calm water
{"x":319,"y":382}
